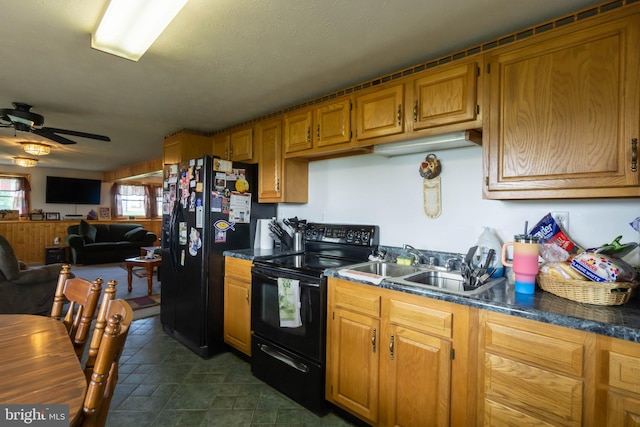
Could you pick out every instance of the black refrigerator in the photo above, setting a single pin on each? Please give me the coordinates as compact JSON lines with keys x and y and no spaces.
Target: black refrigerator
{"x":209,"y":206}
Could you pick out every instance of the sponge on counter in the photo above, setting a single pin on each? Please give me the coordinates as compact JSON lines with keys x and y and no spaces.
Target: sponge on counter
{"x":404,"y":260}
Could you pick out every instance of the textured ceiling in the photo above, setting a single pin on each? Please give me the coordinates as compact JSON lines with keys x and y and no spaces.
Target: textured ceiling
{"x":222,"y":62}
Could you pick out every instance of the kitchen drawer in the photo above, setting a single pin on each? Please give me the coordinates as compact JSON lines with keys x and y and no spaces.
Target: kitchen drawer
{"x":352,"y":297}
{"x":624,"y":372}
{"x":557,"y":349}
{"x":238,"y":268}
{"x":420,"y":318}
{"x":517,"y":385}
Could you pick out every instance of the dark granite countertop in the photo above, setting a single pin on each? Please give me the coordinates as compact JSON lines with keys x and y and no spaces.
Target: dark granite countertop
{"x":622,"y":321}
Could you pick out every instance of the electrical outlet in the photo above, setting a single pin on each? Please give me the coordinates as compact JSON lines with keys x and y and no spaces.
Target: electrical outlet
{"x":562,"y":217}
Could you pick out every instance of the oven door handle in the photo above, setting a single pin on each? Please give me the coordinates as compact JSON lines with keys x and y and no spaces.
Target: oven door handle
{"x":262,"y":275}
{"x":283,"y":358}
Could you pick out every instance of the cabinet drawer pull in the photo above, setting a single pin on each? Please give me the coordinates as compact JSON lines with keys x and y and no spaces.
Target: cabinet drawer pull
{"x":634,"y":155}
{"x":373,"y":340}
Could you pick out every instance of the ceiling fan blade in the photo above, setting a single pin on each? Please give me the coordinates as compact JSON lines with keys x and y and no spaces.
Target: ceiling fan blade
{"x":76,"y":133}
{"x":52,"y":136}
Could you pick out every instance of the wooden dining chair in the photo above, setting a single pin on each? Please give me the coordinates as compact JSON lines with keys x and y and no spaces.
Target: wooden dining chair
{"x":82,"y":296}
{"x":108,"y":295}
{"x":104,"y":377}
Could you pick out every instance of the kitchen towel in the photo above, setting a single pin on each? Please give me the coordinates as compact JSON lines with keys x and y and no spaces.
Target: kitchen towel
{"x":289,"y":303}
{"x":263,"y":239}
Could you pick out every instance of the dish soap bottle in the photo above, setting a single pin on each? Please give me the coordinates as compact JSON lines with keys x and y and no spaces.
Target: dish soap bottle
{"x":488,"y":240}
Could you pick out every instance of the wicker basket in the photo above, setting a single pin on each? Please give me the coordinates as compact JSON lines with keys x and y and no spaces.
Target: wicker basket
{"x":599,"y":293}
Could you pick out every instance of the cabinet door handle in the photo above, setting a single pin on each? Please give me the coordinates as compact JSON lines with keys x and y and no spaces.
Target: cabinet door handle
{"x":373,"y":340}
{"x":308,"y":133}
{"x":634,"y":155}
{"x":391,"y":347}
{"x":415,"y":111}
{"x":399,"y":114}
{"x":318,"y":132}
{"x":247,"y":296}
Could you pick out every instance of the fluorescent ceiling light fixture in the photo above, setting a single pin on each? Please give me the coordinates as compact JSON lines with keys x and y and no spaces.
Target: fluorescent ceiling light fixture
{"x":445,"y":141}
{"x":36,"y":149}
{"x":129,"y":27}
{"x":25,"y":162}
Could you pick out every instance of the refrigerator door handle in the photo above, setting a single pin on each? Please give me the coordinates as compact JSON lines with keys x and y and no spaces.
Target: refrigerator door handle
{"x":174,"y":237}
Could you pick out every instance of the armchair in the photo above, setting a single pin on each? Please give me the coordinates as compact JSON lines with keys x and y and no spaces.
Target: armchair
{"x":25,"y":290}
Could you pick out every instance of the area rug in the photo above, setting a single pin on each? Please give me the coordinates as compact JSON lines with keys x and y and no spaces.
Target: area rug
{"x":145,"y":306}
{"x":144,"y":302}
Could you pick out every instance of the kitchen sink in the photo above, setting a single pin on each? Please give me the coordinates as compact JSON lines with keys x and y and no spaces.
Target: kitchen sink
{"x":447,"y":281}
{"x":385,"y":269}
{"x":422,"y":276}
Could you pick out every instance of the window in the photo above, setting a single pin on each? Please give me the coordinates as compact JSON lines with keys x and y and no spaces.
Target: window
{"x":158,"y":191}
{"x":14,"y":194}
{"x":132,"y":199}
{"x":137,"y":200}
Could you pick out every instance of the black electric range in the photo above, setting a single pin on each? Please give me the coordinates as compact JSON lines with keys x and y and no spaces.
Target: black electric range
{"x":291,"y":356}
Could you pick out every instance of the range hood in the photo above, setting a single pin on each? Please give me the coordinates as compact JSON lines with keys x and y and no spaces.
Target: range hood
{"x":466,"y":138}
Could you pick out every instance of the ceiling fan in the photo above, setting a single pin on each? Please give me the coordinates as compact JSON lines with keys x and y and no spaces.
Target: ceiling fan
{"x":22,"y":119}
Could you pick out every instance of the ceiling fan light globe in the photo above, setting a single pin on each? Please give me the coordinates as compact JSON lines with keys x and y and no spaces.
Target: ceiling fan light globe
{"x":25,"y":162}
{"x":36,"y":149}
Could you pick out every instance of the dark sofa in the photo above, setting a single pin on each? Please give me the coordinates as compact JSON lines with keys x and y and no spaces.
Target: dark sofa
{"x":101,"y":243}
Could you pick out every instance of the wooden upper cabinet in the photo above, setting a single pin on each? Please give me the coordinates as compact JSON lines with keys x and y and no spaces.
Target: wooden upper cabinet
{"x":297,"y":131}
{"x":380,"y":112}
{"x":447,"y":95}
{"x":184,"y":146}
{"x":279,"y":180}
{"x":319,"y":130}
{"x":221,"y":146}
{"x":333,"y":123}
{"x":236,"y":146}
{"x":241,"y":145}
{"x":564,"y":112}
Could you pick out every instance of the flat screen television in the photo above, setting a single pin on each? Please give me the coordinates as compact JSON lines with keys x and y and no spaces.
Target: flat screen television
{"x":73,"y":190}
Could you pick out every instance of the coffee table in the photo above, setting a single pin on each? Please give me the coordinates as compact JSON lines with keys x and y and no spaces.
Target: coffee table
{"x":148,"y":264}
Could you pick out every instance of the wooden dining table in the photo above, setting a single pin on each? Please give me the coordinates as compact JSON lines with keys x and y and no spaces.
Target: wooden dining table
{"x":38,"y":364}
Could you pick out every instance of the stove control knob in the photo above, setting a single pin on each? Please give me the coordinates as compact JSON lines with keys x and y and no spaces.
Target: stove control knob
{"x":350,"y":235}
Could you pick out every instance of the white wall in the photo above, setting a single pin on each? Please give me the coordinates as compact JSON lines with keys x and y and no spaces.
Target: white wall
{"x":38,"y":184}
{"x":369,"y":189}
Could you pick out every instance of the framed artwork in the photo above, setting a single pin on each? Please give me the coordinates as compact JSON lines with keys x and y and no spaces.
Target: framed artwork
{"x":52,"y":216}
{"x":36,"y":217}
{"x":104,"y":213}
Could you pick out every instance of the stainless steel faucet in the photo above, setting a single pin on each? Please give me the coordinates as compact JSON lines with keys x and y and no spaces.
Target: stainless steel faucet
{"x":417,"y":255}
{"x":450,"y":263}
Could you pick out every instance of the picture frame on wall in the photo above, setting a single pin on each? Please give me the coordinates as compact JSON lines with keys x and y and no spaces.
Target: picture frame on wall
{"x":104,"y":213}
{"x":52,"y":216}
{"x":36,"y":217}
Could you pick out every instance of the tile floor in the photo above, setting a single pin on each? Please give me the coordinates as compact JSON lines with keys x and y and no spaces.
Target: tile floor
{"x":162,"y":383}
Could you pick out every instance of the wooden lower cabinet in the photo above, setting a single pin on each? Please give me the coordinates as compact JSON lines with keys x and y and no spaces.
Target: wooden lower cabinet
{"x":390,"y":356}
{"x":237,"y":304}
{"x":620,"y":383}
{"x":532,"y":373}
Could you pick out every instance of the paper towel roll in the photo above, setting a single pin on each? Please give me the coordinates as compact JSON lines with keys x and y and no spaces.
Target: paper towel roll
{"x":263,"y":239}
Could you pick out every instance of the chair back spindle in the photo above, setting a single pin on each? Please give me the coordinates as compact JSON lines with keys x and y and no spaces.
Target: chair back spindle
{"x":101,"y":321}
{"x":104,"y":377}
{"x":58,"y":299}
